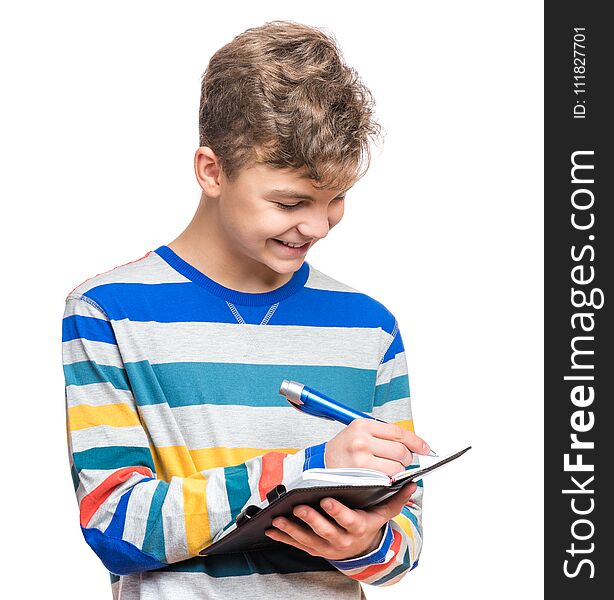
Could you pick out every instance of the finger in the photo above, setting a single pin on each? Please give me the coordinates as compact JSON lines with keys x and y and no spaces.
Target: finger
{"x":303,"y":535}
{"x":280,"y":536}
{"x":391,"y":450}
{"x":318,"y":523}
{"x":390,"y":467}
{"x":351,"y":521}
{"x":390,"y":431}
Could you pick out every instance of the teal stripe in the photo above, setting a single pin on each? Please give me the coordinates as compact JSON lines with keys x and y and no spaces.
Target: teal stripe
{"x":197,"y":383}
{"x":87,"y":371}
{"x":75,"y":477}
{"x":113,"y":457}
{"x":411,"y":516}
{"x":397,"y":387}
{"x":404,"y":566}
{"x":281,"y":558}
{"x":153,"y":543}
{"x":237,"y":488}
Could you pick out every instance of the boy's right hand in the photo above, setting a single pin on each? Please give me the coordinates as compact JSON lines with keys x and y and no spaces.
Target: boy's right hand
{"x":371,"y":444}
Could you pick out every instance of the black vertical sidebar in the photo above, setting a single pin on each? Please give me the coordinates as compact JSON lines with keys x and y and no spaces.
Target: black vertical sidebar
{"x":579,"y":338}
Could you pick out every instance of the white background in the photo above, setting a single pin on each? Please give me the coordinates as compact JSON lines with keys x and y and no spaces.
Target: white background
{"x":99,"y":127}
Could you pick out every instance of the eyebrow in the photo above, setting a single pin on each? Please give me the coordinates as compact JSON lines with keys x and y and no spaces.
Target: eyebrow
{"x":289,"y":193}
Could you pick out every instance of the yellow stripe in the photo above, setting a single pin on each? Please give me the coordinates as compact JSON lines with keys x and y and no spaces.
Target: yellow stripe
{"x":209,"y":458}
{"x":116,"y":415}
{"x":405,"y":525}
{"x":406,"y":424}
{"x":178,"y":461}
{"x":198,"y":530}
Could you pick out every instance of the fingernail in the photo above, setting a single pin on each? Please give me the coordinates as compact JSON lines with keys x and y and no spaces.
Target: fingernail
{"x":327,"y":504}
{"x":425,"y":448}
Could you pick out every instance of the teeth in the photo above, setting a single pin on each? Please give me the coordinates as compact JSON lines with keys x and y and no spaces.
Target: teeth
{"x":293,"y":245}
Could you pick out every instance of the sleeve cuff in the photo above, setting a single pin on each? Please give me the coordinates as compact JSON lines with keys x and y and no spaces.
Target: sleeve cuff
{"x":378,"y":555}
{"x":314,"y":457}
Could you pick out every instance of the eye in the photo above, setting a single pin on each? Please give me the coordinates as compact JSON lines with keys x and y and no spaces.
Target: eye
{"x":287,"y":206}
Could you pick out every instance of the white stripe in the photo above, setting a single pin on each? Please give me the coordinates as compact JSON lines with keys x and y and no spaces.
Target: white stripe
{"x":232,"y":426}
{"x":318,"y":585}
{"x":137,"y":512}
{"x":83,"y":349}
{"x":173,"y":520}
{"x":394,"y":410}
{"x":218,"y":505}
{"x":321,"y":281}
{"x":392,"y":368}
{"x":105,"y":436}
{"x":97,"y":394}
{"x":356,"y":347}
{"x":149,"y":269}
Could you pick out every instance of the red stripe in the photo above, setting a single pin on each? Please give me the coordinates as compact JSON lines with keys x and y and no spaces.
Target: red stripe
{"x":375,"y":569}
{"x":272,"y":472}
{"x":92,"y":502}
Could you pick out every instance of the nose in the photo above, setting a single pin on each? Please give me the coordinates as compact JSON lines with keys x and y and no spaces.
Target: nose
{"x":316,"y":225}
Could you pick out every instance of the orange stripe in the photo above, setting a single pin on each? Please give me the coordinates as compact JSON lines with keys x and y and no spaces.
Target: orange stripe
{"x":375,"y":569}
{"x":272,"y":472}
{"x":92,"y":502}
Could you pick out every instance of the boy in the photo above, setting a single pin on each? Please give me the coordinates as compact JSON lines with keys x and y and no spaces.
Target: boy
{"x":173,"y":361}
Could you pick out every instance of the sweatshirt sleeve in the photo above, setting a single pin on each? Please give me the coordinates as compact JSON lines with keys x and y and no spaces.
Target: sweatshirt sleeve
{"x":401,"y":544}
{"x":132,"y":520}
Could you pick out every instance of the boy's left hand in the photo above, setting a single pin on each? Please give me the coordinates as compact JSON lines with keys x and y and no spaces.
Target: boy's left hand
{"x":354,"y":532}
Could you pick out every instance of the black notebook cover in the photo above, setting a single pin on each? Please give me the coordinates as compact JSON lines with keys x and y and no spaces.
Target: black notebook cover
{"x":253,"y":520}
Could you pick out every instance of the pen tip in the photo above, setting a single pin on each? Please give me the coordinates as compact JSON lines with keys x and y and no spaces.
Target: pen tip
{"x":431,"y":453}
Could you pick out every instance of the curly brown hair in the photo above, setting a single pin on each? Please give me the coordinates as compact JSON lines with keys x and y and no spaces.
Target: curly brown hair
{"x":281,"y":95}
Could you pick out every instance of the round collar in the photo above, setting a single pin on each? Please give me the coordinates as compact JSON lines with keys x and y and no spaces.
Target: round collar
{"x":289,"y":288}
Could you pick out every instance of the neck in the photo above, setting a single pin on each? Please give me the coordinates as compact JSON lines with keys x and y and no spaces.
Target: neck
{"x":203,"y":245}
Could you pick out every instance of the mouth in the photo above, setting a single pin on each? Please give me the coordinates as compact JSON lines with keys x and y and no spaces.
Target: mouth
{"x":289,"y":250}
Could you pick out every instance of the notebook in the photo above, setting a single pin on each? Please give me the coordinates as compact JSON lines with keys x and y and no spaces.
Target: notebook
{"x":354,"y":487}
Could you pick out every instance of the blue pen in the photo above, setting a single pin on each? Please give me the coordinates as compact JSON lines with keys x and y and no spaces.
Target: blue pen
{"x":315,"y":403}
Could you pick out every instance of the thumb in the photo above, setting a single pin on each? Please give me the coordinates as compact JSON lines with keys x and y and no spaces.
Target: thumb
{"x":394,"y":505}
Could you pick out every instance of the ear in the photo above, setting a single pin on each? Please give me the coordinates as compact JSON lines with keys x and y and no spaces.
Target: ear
{"x":208,"y":171}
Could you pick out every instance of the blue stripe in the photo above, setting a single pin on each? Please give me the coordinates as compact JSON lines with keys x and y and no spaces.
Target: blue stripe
{"x":116,"y":526}
{"x":113,"y":457}
{"x":314,"y":457}
{"x":237,"y":488}
{"x":278,"y":559}
{"x":395,"y":348}
{"x":86,"y":372}
{"x":89,"y":328}
{"x":377,"y":557}
{"x":118,"y":556}
{"x":396,"y":388}
{"x":183,"y":302}
{"x":197,"y":383}
{"x":153,"y":542}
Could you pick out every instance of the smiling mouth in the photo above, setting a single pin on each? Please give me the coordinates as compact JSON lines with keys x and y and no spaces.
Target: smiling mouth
{"x":291,"y":244}
{"x":293,"y":250}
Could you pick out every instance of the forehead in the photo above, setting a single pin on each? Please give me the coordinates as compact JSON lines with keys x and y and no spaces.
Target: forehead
{"x":286,"y":182}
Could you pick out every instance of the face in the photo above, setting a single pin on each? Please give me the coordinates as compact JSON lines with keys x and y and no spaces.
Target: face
{"x":265,"y":206}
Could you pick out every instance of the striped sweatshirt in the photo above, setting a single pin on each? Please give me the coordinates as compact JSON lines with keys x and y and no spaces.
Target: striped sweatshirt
{"x":175,"y":423}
